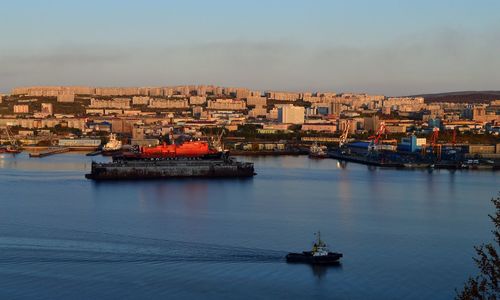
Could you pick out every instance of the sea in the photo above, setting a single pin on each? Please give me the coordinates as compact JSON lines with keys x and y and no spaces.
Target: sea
{"x":404,"y":234}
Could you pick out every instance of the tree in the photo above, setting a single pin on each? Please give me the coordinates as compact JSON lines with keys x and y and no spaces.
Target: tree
{"x":485,"y":285}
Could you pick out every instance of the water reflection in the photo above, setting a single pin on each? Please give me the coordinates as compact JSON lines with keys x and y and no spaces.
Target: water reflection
{"x":161,"y":194}
{"x":341,"y":164}
{"x":320,"y":271}
{"x":66,"y":162}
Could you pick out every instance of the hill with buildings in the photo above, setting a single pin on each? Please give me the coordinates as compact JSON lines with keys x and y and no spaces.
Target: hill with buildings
{"x":462,"y":97}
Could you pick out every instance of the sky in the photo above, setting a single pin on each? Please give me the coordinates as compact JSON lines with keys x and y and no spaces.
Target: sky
{"x":391,"y":47}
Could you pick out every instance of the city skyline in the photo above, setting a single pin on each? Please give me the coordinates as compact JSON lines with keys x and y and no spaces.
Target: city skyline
{"x":385,"y":48}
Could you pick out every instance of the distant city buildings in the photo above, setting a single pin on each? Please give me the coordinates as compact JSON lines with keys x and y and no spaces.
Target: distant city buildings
{"x":154,"y":109}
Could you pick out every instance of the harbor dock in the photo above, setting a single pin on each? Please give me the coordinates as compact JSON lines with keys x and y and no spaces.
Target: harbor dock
{"x":49,"y":151}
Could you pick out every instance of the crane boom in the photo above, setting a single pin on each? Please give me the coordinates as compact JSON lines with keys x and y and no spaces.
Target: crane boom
{"x":345,"y":134}
{"x":374,"y":140}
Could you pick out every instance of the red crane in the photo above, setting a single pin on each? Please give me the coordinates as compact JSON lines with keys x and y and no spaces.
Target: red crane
{"x":435,"y":135}
{"x":435,"y":147}
{"x":454,"y":138}
{"x":376,"y":138}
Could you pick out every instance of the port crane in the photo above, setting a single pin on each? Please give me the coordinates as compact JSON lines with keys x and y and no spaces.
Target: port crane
{"x":454,"y":138}
{"x":434,"y":146}
{"x":345,"y":134}
{"x":374,"y":140}
{"x":435,"y":136}
{"x":14,"y":146}
{"x":453,"y":150}
{"x":217,"y":141}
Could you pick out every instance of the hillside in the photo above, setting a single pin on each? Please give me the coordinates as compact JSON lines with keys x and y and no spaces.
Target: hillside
{"x":462,"y":97}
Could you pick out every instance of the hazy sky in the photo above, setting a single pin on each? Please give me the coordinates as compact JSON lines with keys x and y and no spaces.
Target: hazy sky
{"x":392,"y":47}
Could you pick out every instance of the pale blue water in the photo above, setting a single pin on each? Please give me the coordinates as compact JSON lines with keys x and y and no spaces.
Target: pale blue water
{"x":404,"y":234}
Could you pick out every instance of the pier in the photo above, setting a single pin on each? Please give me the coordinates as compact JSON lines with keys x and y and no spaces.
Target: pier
{"x":49,"y":151}
{"x":94,"y":153}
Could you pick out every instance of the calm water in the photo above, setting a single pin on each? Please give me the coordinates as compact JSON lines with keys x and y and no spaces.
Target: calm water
{"x":404,"y":234}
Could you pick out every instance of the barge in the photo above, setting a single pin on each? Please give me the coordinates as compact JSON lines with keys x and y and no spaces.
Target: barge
{"x":170,"y":168}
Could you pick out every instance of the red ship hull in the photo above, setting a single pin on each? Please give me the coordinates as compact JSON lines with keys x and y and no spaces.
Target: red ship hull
{"x":187,"y":149}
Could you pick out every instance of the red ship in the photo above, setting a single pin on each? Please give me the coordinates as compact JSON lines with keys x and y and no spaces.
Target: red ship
{"x":188,"y":149}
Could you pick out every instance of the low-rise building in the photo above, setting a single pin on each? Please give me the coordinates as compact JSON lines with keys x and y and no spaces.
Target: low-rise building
{"x":197,"y":100}
{"x":168,"y":103}
{"x":21,"y":109}
{"x":319,"y":127}
{"x":84,"y":142}
{"x":119,"y":103}
{"x":140,"y":100}
{"x":257,"y":101}
{"x":66,"y":98}
{"x":226,"y":104}
{"x":412,"y":143}
{"x":257,"y":112}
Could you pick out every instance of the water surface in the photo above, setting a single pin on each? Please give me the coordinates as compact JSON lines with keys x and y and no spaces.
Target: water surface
{"x":404,"y":234}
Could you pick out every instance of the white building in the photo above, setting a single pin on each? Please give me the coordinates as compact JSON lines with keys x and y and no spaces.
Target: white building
{"x":290,"y":114}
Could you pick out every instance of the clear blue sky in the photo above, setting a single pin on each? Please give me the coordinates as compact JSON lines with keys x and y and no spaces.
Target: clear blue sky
{"x":391,"y":47}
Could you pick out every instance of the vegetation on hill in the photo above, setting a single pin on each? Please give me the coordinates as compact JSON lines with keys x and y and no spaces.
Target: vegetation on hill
{"x":486,"y":284}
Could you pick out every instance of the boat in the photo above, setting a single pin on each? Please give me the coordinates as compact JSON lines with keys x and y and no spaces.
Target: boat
{"x":112,"y":146}
{"x":317,"y":151}
{"x":187,"y":149}
{"x":319,"y":255}
{"x":14,"y":146}
{"x":179,"y":167}
{"x":13,"y":149}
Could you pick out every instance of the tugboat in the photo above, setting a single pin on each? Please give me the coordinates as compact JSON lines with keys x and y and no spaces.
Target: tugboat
{"x":113,"y":146}
{"x":316,"y":151}
{"x":319,"y":255}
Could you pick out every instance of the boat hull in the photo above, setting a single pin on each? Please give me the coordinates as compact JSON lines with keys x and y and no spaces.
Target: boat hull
{"x":318,"y":156}
{"x":307,"y":258}
{"x":111,"y":152}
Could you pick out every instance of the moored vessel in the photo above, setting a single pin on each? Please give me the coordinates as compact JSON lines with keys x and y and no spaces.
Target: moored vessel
{"x":112,"y":146}
{"x":187,"y":149}
{"x":319,"y":255}
{"x":14,"y":149}
{"x":317,"y":151}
